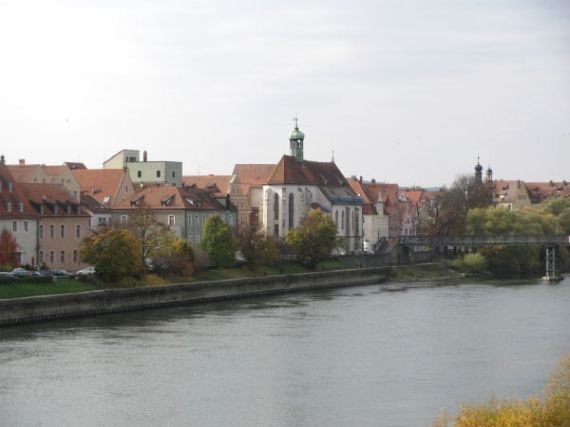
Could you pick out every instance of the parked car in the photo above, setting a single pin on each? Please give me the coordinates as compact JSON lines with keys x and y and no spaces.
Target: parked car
{"x":22,"y":272}
{"x":87,"y":271}
{"x":44,"y":273}
{"x":6,"y":275}
{"x":61,"y":273}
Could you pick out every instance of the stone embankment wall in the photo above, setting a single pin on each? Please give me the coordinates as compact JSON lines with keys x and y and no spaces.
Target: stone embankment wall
{"x":41,"y":308}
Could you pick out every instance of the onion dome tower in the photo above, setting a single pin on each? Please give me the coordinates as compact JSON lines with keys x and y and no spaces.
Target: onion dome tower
{"x":489,"y":174}
{"x":296,"y":138}
{"x":478,"y":172}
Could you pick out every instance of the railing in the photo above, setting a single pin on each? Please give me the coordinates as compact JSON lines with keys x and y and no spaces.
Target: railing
{"x":441,"y":241}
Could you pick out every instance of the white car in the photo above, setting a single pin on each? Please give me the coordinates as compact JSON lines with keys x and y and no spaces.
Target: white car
{"x":87,"y":271}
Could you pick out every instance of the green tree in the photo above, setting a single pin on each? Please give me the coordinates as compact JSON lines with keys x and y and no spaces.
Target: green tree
{"x":8,"y":250}
{"x":219,"y":242}
{"x":115,"y":253}
{"x":257,"y":249}
{"x":314,"y":239}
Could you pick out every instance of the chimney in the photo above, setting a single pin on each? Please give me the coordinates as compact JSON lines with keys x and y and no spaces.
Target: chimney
{"x":228,"y":203}
{"x":373,"y":181}
{"x":361,"y":179}
{"x":2,"y":160}
{"x":353,"y":177}
{"x":22,"y":162}
{"x":145,"y":156}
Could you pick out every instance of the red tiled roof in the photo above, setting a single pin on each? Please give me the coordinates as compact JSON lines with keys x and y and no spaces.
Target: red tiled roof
{"x":15,"y":197}
{"x":413,"y":196}
{"x":360,"y":188}
{"x":289,"y":171}
{"x":218,"y":183}
{"x":100,"y":183}
{"x":171,"y":198}
{"x":539,"y":191}
{"x":50,"y":194}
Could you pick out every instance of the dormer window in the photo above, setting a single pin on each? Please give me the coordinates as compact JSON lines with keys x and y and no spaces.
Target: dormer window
{"x":69,"y":209}
{"x":10,"y":187}
{"x":21,"y":207}
{"x":56,"y":209}
{"x":42,"y":209}
{"x":9,"y":206}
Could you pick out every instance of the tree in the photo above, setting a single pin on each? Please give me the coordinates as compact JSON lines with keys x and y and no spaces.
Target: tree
{"x":314,"y":239}
{"x":465,"y":194}
{"x":219,"y":242}
{"x":257,"y":248}
{"x":8,"y":251}
{"x":147,"y":230}
{"x":174,"y":256}
{"x":115,"y":253}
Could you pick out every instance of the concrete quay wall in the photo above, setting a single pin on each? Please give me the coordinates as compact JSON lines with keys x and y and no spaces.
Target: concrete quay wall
{"x":41,"y":308}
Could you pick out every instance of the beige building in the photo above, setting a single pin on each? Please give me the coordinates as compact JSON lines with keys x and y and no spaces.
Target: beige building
{"x":146,"y":172}
{"x":45,"y":174}
{"x":511,"y":195}
{"x":61,"y":227}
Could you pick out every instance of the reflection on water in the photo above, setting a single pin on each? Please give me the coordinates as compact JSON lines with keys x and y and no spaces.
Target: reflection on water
{"x":366,"y":356}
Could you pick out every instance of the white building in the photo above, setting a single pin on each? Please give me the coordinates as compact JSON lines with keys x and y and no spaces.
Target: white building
{"x":297,"y":185}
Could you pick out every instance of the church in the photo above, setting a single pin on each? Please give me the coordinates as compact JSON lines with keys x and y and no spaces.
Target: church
{"x":297,"y":185}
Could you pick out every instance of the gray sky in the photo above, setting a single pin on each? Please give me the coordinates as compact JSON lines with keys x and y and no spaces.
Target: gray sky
{"x":403,"y":91}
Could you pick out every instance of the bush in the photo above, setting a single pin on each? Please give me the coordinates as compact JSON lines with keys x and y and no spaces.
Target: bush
{"x":257,"y":249}
{"x":471,"y":263}
{"x":552,"y":410}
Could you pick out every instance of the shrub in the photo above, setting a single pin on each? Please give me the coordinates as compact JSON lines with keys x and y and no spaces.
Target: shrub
{"x":471,"y":263}
{"x":219,"y":242}
{"x":314,"y":239}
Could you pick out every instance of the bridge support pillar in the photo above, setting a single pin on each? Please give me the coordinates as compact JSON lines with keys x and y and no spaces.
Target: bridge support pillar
{"x":551,"y":264}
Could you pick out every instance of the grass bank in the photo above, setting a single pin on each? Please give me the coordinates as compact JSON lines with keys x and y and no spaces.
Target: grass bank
{"x":62,"y":286}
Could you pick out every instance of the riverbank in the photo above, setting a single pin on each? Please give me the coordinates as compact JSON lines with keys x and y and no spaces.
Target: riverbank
{"x":47,"y":307}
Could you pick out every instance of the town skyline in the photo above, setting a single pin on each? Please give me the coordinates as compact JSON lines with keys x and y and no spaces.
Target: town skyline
{"x":411,"y":95}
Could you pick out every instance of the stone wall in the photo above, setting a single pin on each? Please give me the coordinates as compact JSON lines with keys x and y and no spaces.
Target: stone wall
{"x":41,"y":308}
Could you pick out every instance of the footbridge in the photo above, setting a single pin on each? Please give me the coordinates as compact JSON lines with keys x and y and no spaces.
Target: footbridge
{"x":550,"y":242}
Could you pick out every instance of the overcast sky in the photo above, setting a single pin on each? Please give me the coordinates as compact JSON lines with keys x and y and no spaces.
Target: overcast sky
{"x":402,"y":91}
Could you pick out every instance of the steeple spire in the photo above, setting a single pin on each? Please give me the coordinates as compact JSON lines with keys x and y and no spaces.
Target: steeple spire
{"x":296,"y":138}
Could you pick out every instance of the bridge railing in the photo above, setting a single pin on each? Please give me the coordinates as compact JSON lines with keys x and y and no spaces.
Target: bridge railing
{"x":476,"y":241}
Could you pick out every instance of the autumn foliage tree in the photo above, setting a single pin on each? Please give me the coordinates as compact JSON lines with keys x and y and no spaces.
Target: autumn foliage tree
{"x":8,"y":250}
{"x":314,"y":239}
{"x":257,"y":249}
{"x":219,"y":242}
{"x":115,"y":253}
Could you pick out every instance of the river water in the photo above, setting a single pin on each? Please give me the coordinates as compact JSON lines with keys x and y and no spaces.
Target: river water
{"x":361,"y":356}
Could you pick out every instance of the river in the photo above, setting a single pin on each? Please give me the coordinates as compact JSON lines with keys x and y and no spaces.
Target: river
{"x":361,"y":356}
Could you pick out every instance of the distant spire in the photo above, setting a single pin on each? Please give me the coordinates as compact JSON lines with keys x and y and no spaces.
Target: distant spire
{"x":332,"y":158}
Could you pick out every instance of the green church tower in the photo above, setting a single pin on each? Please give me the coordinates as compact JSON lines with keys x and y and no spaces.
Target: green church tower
{"x":296,"y":138}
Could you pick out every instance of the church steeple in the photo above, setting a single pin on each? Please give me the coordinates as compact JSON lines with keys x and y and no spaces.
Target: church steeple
{"x":296,"y":138}
{"x":478,"y":172}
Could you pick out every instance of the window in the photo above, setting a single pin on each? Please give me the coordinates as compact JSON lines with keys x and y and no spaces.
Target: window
{"x":124,"y":219}
{"x":126,"y":188}
{"x":14,"y":226}
{"x":26,"y":229}
{"x":62,"y":231}
{"x":9,"y":206}
{"x":276,"y":207}
{"x":75,"y":259}
{"x":52,"y":231}
{"x":158,"y":174}
{"x":190,"y":220}
{"x":10,"y":187}
{"x":42,"y":209}
{"x":41,"y":257}
{"x":336,"y":218}
{"x":51,"y":257}
{"x":41,"y":231}
{"x":171,"y":220}
{"x":21,"y":206}
{"x":62,"y":256}
{"x":139,"y":174}
{"x":101,"y":221}
{"x":342,"y":219}
{"x":78,"y":231}
{"x":291,"y":211}
{"x":173,"y":174}
{"x":56,"y":209}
